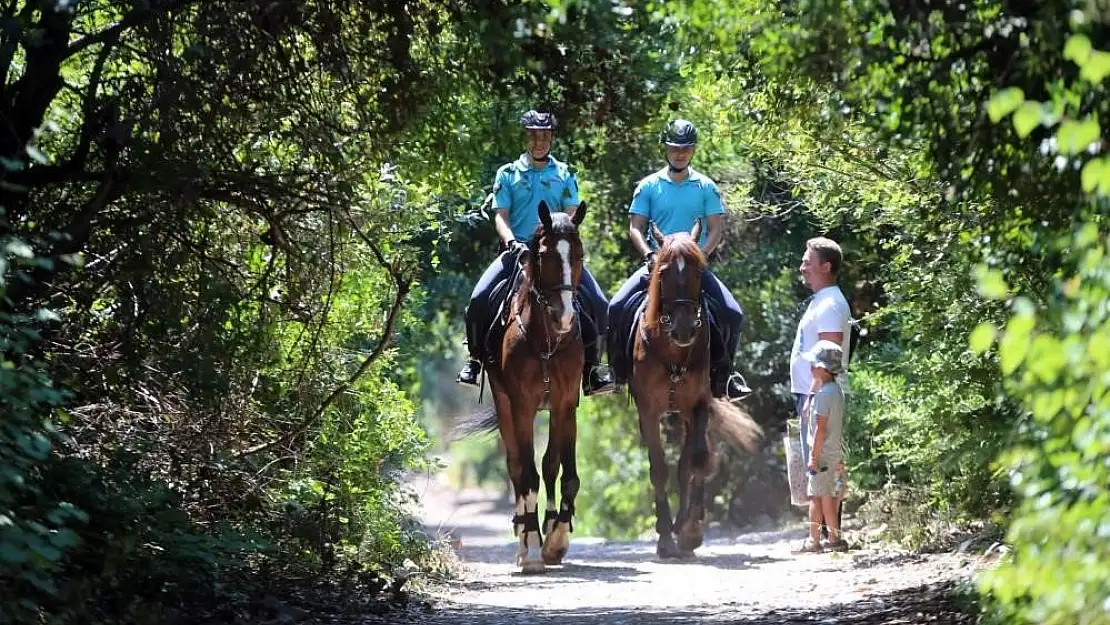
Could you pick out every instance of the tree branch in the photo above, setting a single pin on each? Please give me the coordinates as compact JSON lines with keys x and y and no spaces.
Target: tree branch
{"x":135,"y":18}
{"x":379,"y":349}
{"x":82,"y":151}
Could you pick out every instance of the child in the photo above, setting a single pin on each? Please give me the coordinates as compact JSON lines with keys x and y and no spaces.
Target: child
{"x":826,"y":446}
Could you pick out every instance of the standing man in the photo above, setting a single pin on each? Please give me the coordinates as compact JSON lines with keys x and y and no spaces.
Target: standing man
{"x":827,"y":318}
{"x":674,"y":198}
{"x":518,"y":189}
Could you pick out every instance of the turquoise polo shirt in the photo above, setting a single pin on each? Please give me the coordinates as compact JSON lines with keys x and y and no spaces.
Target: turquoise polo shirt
{"x":519,"y":188}
{"x":674,"y":207}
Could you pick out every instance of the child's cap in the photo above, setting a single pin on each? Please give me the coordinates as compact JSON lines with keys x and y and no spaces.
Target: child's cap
{"x":827,"y":355}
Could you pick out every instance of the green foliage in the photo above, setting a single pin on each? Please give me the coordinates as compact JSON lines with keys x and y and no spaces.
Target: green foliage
{"x":1055,"y":357}
{"x":616,"y":498}
{"x":938,"y":440}
{"x":1059,"y":571}
{"x":37,"y":531}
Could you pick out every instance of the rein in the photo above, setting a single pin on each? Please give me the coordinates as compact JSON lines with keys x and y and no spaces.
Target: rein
{"x":676,"y":370}
{"x":562,"y":341}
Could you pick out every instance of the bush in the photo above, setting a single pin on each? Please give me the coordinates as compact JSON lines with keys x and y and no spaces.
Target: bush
{"x":1057,"y":361}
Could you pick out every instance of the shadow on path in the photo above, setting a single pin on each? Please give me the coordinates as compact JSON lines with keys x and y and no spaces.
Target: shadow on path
{"x":935,"y":604}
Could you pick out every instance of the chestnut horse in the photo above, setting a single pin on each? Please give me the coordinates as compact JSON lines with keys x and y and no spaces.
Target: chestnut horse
{"x":670,"y":375}
{"x":540,"y":367}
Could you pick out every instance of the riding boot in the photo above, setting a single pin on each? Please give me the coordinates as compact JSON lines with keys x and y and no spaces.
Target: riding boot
{"x":472,"y":370}
{"x":616,"y":363}
{"x":595,"y":380}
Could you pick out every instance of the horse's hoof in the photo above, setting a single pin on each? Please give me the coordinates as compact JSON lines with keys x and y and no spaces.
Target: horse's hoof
{"x":686,"y":554}
{"x":691,"y":536}
{"x":689,"y":542}
{"x":532,"y":567}
{"x":557,"y":543}
{"x":666,"y":548}
{"x":528,"y":554}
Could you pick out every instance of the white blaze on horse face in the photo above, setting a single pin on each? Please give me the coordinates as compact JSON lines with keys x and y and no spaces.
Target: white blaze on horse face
{"x":568,"y":307}
{"x":681,"y":264}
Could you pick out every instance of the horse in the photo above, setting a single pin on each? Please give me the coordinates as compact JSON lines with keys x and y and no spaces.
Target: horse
{"x":540,"y":367}
{"x":670,"y":376}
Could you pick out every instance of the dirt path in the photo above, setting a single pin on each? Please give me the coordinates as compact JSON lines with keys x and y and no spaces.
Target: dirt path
{"x":748,"y":577}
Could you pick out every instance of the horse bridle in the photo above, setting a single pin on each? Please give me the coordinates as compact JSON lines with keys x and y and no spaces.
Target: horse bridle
{"x":540,"y":296}
{"x":667,"y":322}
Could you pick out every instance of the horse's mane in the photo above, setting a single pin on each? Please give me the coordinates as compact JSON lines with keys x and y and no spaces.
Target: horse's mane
{"x":673,"y":247}
{"x":680,"y":245}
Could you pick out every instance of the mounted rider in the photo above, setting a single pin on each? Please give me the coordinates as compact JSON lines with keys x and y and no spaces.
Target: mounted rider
{"x":518,"y":189}
{"x":674,"y":198}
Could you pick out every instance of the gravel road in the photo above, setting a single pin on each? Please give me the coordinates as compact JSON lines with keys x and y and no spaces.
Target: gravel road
{"x":748,"y":577}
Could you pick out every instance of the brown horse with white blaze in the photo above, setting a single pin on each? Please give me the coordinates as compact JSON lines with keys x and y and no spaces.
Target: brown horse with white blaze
{"x":540,"y":366}
{"x":670,"y":375}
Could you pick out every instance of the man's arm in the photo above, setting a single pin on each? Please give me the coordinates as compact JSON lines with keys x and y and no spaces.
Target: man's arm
{"x":501,"y":223}
{"x":716,"y":225}
{"x":637,"y":226}
{"x":502,"y":200}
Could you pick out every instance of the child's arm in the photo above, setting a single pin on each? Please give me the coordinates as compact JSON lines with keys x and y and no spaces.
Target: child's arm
{"x":813,"y":388}
{"x":819,"y":439}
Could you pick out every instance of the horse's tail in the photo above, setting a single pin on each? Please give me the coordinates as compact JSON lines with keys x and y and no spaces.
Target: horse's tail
{"x":733,"y":423}
{"x":482,"y":422}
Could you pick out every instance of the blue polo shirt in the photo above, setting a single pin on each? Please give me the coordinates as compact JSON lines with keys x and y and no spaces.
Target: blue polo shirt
{"x":674,"y":207}
{"x":519,"y":187}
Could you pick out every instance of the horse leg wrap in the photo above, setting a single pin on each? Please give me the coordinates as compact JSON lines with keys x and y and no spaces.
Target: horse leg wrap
{"x":530,"y":521}
{"x":565,"y":516}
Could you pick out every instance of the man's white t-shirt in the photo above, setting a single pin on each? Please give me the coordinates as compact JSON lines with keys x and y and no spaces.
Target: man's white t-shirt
{"x":828,"y":311}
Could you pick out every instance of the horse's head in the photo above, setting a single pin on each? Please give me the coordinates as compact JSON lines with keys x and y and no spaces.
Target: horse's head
{"x":555,"y":265}
{"x":676,"y":281}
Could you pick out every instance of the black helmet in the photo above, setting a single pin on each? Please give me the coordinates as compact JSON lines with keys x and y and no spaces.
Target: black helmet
{"x":679,"y":133}
{"x":535,"y":120}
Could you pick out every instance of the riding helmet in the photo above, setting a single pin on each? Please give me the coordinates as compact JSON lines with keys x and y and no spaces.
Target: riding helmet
{"x":535,"y":120}
{"x":679,"y":133}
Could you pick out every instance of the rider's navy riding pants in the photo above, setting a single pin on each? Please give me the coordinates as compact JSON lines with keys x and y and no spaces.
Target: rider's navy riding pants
{"x":711,"y":286}
{"x":479,"y":312}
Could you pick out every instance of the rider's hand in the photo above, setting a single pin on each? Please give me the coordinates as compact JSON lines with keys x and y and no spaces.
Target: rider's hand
{"x":517,"y":247}
{"x":649,"y":260}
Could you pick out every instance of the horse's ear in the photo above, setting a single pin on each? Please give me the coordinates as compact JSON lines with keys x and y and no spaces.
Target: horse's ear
{"x":579,"y":214}
{"x":695,"y":232}
{"x":658,"y":234}
{"x":545,"y":216}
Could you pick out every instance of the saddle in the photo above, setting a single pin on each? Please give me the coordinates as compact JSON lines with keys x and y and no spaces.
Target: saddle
{"x":500,"y":301}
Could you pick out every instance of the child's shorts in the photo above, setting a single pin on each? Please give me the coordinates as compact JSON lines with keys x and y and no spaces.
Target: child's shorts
{"x":823,"y":484}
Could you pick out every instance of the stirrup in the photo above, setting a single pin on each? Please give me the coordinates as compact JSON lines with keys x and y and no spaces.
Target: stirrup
{"x":470,"y":367}
{"x":742,"y":387}
{"x":602,"y":373}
